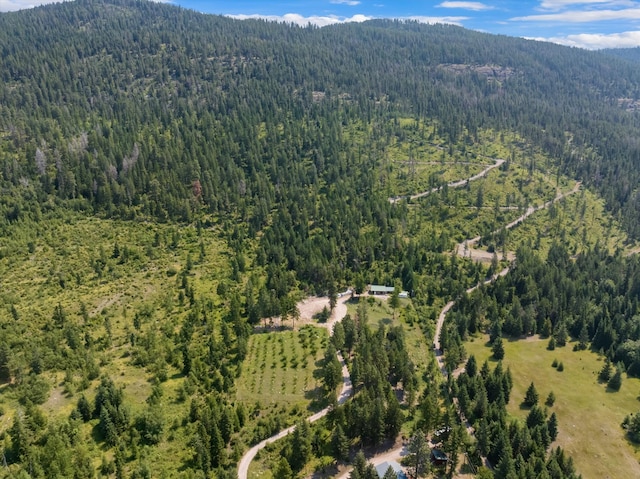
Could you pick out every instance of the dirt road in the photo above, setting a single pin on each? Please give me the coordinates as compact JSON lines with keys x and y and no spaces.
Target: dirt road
{"x":453,"y":184}
{"x":467,"y":249}
{"x":308,"y":309}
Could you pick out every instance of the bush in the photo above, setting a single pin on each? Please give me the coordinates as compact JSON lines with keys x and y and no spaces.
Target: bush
{"x":631,"y":424}
{"x":560,"y":367}
{"x":551,"y":399}
{"x":150,"y":425}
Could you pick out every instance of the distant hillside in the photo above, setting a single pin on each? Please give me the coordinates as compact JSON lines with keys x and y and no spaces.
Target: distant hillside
{"x":118,"y":97}
{"x":175,"y":187}
{"x":631,"y":54}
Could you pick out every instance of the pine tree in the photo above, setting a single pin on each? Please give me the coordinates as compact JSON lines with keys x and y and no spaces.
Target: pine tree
{"x":471,"y":367}
{"x":531,"y":396}
{"x":283,"y":470}
{"x":340,"y":444}
{"x":606,"y":371}
{"x":551,"y":399}
{"x":498,"y":349}
{"x":390,"y":474}
{"x":359,"y":466}
{"x":301,"y":451}
{"x":5,"y":372}
{"x":615,"y":383}
{"x":418,"y":454}
{"x":552,"y":426}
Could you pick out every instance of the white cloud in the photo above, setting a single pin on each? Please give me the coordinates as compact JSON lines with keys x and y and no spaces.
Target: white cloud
{"x":295,"y":18}
{"x":351,"y":3}
{"x":14,"y":5}
{"x":597,"y":41}
{"x":432,"y":20}
{"x":560,"y":4}
{"x":583,"y":16}
{"x":476,"y":6}
{"x":322,"y":21}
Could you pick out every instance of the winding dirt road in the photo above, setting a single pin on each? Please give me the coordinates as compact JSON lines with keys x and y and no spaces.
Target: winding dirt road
{"x":443,"y":313}
{"x":338,"y":313}
{"x":453,"y":184}
{"x":467,"y":249}
{"x":310,"y":307}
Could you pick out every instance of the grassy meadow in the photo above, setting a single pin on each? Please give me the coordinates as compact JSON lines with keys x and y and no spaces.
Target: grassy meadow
{"x":589,"y":415}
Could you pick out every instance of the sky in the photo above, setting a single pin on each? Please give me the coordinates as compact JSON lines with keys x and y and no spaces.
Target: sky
{"x":591,"y":24}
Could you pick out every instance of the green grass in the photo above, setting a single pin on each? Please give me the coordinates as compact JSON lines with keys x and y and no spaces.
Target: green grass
{"x":589,"y":416}
{"x":282,"y":367}
{"x":53,"y":262}
{"x":579,"y":221}
{"x":417,"y":344}
{"x":416,"y":157}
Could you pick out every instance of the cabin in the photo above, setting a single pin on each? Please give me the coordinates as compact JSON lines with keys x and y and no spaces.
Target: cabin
{"x":438,"y":458}
{"x":382,"y":468}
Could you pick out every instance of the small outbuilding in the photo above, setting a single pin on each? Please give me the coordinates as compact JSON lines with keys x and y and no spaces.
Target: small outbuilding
{"x":382,"y":468}
{"x":438,"y":458}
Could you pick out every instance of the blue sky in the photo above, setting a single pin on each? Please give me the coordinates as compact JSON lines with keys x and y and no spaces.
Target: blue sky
{"x":589,"y":24}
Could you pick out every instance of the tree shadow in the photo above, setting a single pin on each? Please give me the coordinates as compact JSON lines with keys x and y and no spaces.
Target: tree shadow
{"x":317,"y":399}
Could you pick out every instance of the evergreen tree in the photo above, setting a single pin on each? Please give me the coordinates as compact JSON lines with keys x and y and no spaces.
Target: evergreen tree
{"x":283,"y":470}
{"x":418,"y":460}
{"x":5,"y":372}
{"x":498,"y":349}
{"x":615,"y":383}
{"x":551,"y":399}
{"x":339,"y":444}
{"x":390,"y":474}
{"x":471,"y":367}
{"x":606,"y":371}
{"x":531,"y":396}
{"x":552,"y":426}
{"x":301,"y":450}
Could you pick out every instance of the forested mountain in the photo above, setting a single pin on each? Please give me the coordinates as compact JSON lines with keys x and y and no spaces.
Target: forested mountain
{"x":171,"y":182}
{"x":632,"y":54}
{"x":138,"y":108}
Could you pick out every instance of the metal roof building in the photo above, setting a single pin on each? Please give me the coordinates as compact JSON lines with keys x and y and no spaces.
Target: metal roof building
{"x":381,"y":469}
{"x":377,"y":289}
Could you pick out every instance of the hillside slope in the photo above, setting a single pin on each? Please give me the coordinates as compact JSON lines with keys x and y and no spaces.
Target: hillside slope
{"x":172,"y":183}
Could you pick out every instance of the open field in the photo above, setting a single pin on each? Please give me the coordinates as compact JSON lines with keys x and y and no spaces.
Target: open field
{"x":589,"y":416}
